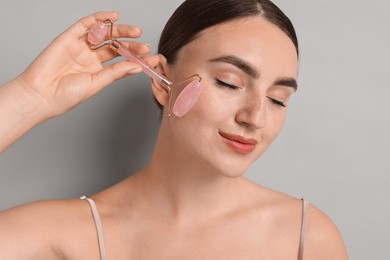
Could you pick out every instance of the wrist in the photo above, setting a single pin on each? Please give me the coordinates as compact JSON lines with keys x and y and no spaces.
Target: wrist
{"x":26,"y":103}
{"x":20,"y":111}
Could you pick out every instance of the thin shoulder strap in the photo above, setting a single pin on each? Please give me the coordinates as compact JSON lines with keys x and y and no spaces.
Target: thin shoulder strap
{"x":99,"y":227}
{"x":305,"y":210}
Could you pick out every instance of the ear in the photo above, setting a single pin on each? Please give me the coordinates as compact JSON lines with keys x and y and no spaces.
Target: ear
{"x":160,"y":92}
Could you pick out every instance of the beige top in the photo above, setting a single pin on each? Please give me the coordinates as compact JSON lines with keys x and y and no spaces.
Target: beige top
{"x":99,"y":228}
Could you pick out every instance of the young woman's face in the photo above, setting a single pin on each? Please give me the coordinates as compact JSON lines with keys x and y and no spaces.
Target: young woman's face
{"x":249,"y":70}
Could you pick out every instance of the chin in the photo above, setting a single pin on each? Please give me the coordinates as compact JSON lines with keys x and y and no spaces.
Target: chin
{"x":232,"y":175}
{"x":231,"y":167}
{"x":231,"y":172}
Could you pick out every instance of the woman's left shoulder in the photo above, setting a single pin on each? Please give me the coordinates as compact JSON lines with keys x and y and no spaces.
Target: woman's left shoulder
{"x":323,"y":239}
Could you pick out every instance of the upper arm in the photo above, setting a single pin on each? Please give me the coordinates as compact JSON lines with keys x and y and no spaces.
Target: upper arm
{"x":26,"y":232}
{"x":323,"y":238}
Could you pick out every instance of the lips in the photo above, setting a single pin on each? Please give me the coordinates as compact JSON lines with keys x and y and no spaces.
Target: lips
{"x":238,"y":143}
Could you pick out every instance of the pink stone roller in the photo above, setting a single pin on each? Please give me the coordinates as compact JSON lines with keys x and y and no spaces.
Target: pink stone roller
{"x":187,"y":97}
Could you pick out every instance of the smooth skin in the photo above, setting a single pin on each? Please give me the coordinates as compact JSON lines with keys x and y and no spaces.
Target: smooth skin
{"x":191,"y":201}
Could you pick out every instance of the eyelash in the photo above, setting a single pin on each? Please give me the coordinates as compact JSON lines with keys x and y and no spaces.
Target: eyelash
{"x":277,"y":102}
{"x":233,"y":87}
{"x":226,"y":85}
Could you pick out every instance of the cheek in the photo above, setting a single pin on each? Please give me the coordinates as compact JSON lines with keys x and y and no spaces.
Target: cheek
{"x":212,"y":107}
{"x":275,"y":124}
{"x":205,"y":114}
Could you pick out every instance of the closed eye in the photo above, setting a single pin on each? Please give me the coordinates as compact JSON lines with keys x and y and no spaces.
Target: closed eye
{"x":277,"y":102}
{"x":227,"y":85}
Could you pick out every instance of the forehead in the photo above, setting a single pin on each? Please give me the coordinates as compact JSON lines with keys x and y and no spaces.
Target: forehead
{"x":253,"y":39}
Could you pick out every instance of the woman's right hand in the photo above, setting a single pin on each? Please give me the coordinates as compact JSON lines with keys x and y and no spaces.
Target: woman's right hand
{"x":68,"y":72}
{"x":65,"y":74}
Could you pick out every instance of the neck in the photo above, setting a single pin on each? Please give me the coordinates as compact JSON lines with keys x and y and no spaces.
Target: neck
{"x":179,"y":187}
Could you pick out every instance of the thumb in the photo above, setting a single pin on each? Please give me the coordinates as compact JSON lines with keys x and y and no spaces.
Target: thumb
{"x":111,"y":73}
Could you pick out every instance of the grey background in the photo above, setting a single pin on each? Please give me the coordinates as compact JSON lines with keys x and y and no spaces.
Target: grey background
{"x":333,"y":150}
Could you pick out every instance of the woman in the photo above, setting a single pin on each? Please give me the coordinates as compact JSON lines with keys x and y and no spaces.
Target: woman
{"x":191,"y":201}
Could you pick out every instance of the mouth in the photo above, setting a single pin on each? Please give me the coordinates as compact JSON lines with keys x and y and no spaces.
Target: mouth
{"x":238,"y":143}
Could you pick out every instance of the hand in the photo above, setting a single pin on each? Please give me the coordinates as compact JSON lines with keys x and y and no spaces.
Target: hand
{"x":68,"y":72}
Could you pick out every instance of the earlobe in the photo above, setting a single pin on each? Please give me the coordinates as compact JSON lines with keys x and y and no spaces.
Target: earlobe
{"x":160,"y":92}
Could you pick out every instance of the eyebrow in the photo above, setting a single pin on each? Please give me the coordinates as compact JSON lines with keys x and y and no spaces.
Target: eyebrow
{"x":239,"y":63}
{"x":288,"y":82}
{"x":253,"y":72}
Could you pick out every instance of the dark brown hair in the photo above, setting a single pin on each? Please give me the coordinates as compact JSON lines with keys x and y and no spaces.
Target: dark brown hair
{"x":194,"y":16}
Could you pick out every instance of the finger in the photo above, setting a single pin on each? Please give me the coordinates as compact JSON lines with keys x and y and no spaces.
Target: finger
{"x":111,"y":73}
{"x":152,"y":61}
{"x":126,"y":31}
{"x":119,"y":70}
{"x":118,"y":31}
{"x":106,"y":53}
{"x":82,"y":26}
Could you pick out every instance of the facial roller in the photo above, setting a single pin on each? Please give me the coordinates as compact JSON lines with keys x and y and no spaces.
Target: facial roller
{"x":187,"y":97}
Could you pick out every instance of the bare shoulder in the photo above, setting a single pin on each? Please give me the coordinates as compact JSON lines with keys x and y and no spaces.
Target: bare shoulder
{"x":323,"y":238}
{"x":37,"y":230}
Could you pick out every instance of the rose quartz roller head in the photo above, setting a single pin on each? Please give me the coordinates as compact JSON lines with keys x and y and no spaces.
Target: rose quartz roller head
{"x":97,"y":33}
{"x":189,"y":92}
{"x":187,"y":97}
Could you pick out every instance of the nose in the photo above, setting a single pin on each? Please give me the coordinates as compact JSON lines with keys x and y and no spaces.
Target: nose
{"x":253,"y":113}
